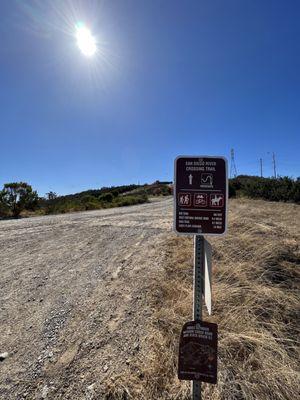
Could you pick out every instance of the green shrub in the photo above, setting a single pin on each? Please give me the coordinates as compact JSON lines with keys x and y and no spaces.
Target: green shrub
{"x":4,"y":210}
{"x":90,"y":202}
{"x":232,"y":190}
{"x":281,"y":189}
{"x":131,"y":200}
{"x":107,"y":197}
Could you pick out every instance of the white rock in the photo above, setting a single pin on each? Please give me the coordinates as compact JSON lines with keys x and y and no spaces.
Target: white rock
{"x":3,"y":356}
{"x":91,"y":387}
{"x":45,"y":392}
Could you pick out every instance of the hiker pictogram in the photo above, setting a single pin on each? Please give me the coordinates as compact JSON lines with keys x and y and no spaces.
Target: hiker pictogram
{"x":184,"y":199}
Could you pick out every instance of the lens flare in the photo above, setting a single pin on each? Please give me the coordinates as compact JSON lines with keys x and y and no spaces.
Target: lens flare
{"x":85,"y":40}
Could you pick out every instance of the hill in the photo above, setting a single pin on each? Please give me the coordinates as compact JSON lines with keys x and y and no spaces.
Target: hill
{"x":106,"y":197}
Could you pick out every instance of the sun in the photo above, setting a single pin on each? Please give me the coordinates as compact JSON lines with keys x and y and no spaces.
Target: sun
{"x":85,"y":40}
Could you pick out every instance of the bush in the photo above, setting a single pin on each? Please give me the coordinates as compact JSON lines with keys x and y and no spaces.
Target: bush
{"x":16,"y":197}
{"x":131,"y":200}
{"x":90,"y":202}
{"x":4,"y":210}
{"x":281,"y":189}
{"x":232,"y":190}
{"x":107,"y":197}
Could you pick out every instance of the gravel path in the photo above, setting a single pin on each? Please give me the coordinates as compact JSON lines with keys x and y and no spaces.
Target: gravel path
{"x":72,"y":303}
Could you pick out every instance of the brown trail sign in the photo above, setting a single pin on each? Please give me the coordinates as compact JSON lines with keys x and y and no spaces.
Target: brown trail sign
{"x":200,"y":195}
{"x":198,"y":352}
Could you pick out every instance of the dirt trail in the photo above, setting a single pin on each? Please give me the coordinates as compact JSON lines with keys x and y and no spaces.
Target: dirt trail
{"x":71,"y":300}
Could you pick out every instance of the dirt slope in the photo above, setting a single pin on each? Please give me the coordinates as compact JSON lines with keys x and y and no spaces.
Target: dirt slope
{"x":70,"y":297}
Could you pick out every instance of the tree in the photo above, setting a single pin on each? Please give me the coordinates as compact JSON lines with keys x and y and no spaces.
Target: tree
{"x":51,"y":196}
{"x":17,"y":197}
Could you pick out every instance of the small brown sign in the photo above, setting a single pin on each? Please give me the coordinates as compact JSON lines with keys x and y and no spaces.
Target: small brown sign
{"x":198,"y":352}
{"x":200,"y":195}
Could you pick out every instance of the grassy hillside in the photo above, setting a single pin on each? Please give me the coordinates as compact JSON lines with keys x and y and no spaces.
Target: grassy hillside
{"x":106,"y":197}
{"x":255,"y":303}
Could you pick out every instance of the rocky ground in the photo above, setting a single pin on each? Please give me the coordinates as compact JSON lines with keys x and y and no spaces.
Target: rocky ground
{"x":72,"y":304}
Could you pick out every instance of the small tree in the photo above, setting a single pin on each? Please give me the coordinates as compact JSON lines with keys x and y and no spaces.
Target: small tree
{"x":51,"y":196}
{"x":17,"y":197}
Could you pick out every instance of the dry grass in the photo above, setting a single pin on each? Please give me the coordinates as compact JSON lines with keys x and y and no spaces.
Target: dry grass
{"x":255,"y":303}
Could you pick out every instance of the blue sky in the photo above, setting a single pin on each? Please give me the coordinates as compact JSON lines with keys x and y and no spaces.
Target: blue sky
{"x":170,"y":77}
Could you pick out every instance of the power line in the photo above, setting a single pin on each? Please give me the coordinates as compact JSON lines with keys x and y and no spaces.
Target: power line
{"x":233,"y":172}
{"x":274,"y":165}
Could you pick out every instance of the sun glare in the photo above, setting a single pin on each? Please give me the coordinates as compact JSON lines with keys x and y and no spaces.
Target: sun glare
{"x":85,"y":40}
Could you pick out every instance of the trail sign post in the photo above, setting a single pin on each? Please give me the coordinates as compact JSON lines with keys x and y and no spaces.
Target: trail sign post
{"x":200,"y":208}
{"x":200,"y":195}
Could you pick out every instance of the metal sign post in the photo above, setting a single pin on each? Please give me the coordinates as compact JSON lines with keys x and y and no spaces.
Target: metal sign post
{"x":198,"y":284}
{"x":200,"y":208}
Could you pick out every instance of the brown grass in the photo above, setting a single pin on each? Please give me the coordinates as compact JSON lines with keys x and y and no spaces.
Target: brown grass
{"x":255,"y":303}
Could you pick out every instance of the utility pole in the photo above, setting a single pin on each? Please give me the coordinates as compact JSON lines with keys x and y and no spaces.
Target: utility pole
{"x":233,"y":172}
{"x":274,"y":165}
{"x":261,"y":167}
